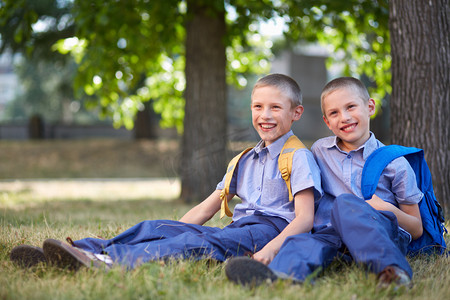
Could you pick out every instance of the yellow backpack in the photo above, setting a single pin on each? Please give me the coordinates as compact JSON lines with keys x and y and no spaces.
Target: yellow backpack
{"x":284,"y":165}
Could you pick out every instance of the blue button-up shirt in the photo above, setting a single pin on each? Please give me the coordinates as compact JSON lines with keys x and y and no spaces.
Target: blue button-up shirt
{"x":258,"y":182}
{"x":342,"y":171}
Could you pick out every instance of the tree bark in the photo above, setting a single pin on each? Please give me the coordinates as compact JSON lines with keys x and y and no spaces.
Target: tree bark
{"x":205,"y":122}
{"x":143,"y":125}
{"x":420,"y":48}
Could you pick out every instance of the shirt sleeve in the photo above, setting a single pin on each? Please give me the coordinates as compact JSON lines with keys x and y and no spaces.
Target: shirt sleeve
{"x":305,"y":173}
{"x":404,"y":184}
{"x":221,"y":184}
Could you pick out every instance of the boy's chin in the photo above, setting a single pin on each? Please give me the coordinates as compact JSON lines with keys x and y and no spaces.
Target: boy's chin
{"x":346,"y":136}
{"x":269,"y":139}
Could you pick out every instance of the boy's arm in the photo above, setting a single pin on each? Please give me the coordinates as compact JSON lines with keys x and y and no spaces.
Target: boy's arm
{"x":408,"y":215}
{"x":303,"y":222}
{"x":205,"y":210}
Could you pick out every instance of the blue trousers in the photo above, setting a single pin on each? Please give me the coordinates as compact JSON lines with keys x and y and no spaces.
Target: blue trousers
{"x":162,"y":239}
{"x":371,"y":237}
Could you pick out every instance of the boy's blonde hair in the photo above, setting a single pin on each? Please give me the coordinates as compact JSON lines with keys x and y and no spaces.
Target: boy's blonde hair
{"x":345,"y":83}
{"x":288,"y":86}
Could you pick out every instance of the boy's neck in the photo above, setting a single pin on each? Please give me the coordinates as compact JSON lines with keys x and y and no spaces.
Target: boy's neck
{"x":264,"y":144}
{"x":347,"y":147}
{"x":343,"y":146}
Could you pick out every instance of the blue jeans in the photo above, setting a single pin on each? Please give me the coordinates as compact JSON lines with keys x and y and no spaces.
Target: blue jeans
{"x":372,"y":238}
{"x":161,"y":239}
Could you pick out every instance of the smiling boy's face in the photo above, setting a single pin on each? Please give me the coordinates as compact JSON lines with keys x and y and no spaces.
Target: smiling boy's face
{"x":348,"y":117}
{"x":272,"y":113}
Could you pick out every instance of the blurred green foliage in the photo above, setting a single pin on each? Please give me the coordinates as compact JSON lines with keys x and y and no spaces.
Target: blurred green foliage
{"x":355,"y":32}
{"x":129,"y":52}
{"x":47,"y":92}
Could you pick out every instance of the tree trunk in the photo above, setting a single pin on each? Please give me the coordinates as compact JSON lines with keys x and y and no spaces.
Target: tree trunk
{"x":420,"y":108}
{"x":143,"y":125}
{"x":205,"y":122}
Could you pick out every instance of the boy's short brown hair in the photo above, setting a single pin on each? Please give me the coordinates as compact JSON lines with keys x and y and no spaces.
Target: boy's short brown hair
{"x":288,"y":86}
{"x":348,"y":83}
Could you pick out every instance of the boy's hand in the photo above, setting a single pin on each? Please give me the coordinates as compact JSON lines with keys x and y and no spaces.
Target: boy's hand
{"x":265,"y":255}
{"x":377,"y":203}
{"x":303,"y":222}
{"x":408,"y":215}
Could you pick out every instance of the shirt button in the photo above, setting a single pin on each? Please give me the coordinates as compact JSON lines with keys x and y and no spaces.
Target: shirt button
{"x":258,"y":188}
{"x":349,"y":156}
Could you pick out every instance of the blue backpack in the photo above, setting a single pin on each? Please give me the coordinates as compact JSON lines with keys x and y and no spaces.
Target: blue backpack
{"x":432,"y":240}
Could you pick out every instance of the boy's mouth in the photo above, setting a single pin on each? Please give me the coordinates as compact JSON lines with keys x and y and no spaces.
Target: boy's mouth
{"x":349,"y":127}
{"x":266,"y":126}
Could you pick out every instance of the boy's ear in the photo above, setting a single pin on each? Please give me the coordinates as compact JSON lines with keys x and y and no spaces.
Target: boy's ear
{"x":298,"y":111}
{"x":326,"y":122}
{"x":371,"y":104}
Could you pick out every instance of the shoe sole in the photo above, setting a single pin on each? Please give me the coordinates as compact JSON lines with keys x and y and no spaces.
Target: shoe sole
{"x":27,"y":256}
{"x":248,"y":272}
{"x":65,"y":256}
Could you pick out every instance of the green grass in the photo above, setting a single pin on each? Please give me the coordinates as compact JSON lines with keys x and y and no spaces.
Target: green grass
{"x":33,"y":221}
{"x":31,"y":212}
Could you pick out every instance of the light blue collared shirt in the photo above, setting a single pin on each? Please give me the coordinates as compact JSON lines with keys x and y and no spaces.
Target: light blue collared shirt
{"x":341,"y":173}
{"x":258,"y":182}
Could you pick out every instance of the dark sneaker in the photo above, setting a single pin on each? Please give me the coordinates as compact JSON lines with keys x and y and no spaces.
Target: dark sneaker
{"x":27,"y":256}
{"x":66,"y":256}
{"x":248,"y":272}
{"x":393,"y":275}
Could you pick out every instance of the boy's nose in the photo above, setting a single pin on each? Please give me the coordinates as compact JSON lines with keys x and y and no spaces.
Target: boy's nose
{"x":266,"y":114}
{"x":346,"y":116}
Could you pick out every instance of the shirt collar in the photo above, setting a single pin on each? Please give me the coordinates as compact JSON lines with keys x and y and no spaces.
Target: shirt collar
{"x":273,"y":149}
{"x":368,"y":147}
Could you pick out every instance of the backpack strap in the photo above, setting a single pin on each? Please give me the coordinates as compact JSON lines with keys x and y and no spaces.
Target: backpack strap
{"x":377,"y":161}
{"x":224,"y":209}
{"x":285,"y":160}
{"x":291,"y":145}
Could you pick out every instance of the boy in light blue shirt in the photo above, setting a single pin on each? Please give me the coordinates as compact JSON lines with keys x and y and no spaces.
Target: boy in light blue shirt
{"x":261,"y":222}
{"x":343,"y":176}
{"x":261,"y":188}
{"x":375,"y":232}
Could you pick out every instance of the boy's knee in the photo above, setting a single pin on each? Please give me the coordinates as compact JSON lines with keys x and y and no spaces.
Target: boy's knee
{"x":346,"y":201}
{"x":390,"y":216}
{"x":348,"y":207}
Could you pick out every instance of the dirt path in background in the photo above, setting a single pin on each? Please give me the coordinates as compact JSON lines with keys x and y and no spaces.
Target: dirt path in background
{"x":104,"y":189}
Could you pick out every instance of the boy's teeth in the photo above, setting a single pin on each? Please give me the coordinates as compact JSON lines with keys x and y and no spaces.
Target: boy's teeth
{"x":266,"y":126}
{"x":349,"y":127}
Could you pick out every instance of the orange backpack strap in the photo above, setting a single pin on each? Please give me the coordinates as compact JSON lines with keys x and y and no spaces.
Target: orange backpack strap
{"x":224,"y":209}
{"x":285,"y":160}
